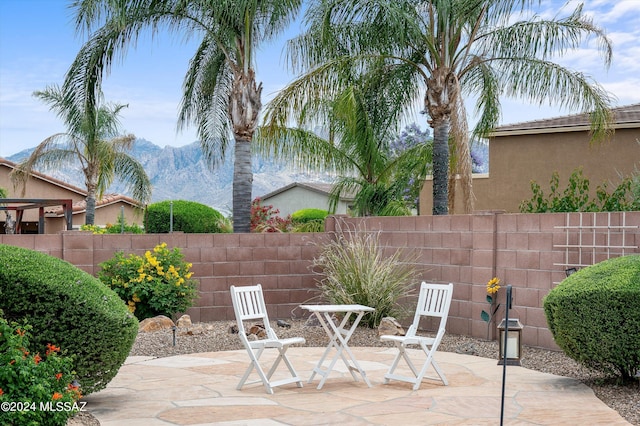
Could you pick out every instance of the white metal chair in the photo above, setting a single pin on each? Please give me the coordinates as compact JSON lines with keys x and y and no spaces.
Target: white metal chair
{"x":248,"y":304}
{"x":434,"y":301}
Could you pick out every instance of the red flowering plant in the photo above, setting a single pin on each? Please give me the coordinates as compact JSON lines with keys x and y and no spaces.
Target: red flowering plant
{"x":266,"y":219}
{"x":35,"y":388}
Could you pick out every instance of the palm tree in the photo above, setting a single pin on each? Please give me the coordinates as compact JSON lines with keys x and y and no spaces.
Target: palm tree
{"x":92,"y":140}
{"x":351,"y":136}
{"x":221,"y":95}
{"x":445,"y":49}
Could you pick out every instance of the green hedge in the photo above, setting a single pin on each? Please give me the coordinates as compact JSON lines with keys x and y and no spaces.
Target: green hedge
{"x":594,"y":316}
{"x":308,"y":215}
{"x":188,"y":217}
{"x":69,"y":308}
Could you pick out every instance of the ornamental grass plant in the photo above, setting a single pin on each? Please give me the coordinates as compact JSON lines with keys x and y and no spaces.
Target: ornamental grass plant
{"x":355,"y":268}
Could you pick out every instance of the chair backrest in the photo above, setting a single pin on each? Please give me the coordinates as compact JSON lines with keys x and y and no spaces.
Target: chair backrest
{"x":248,"y":304}
{"x":434,"y":301}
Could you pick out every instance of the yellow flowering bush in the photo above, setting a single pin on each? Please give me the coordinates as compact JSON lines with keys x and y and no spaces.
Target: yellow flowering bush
{"x":158,"y":283}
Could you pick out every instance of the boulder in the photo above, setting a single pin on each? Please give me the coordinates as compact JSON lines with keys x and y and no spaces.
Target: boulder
{"x":193,"y":330}
{"x":184,"y":321}
{"x":156,"y":323}
{"x":313,"y":321}
{"x":389,"y":326}
{"x":258,"y":331}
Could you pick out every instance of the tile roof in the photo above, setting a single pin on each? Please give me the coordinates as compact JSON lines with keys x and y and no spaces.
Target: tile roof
{"x":46,"y":178}
{"x":78,"y":206}
{"x":322,"y":188}
{"x":627,"y":116}
{"x":81,"y":206}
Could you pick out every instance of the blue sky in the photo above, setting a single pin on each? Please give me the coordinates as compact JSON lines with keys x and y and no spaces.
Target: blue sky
{"x":38,"y":43}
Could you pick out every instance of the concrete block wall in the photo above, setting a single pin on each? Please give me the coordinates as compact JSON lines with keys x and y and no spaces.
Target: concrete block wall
{"x":526,"y":251}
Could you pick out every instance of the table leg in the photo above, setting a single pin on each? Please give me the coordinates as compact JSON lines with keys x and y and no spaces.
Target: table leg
{"x":339,"y":338}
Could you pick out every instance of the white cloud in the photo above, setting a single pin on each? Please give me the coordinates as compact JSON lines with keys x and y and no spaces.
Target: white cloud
{"x":627,"y":90}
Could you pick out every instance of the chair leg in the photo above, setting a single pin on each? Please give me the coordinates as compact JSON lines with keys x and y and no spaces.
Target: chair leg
{"x":293,"y":372}
{"x":430,"y":361}
{"x":402,"y":353}
{"x":255,"y":364}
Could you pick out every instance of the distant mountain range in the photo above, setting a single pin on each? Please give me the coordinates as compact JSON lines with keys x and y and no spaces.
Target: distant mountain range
{"x":182,"y":174}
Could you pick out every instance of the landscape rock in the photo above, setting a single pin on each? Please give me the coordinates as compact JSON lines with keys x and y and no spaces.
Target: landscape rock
{"x":193,"y":330}
{"x":184,"y":321}
{"x":389,"y":326}
{"x":258,"y":331}
{"x":160,"y":322}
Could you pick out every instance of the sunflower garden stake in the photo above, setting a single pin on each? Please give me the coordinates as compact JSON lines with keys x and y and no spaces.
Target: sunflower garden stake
{"x":492,"y":293}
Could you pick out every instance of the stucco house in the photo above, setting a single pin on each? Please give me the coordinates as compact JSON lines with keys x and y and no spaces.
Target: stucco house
{"x":304,"y":195}
{"x":43,"y":187}
{"x":534,"y":150}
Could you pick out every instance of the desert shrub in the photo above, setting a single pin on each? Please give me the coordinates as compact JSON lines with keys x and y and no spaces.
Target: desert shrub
{"x":356,"y":269}
{"x":266,"y":219}
{"x":42,"y":383}
{"x":311,"y":226}
{"x":68,"y":308}
{"x":188,"y":217}
{"x":157,"y":284}
{"x":121,"y":226}
{"x":308,"y":220}
{"x":116,"y":228}
{"x":575,"y":197}
{"x":594,"y":316}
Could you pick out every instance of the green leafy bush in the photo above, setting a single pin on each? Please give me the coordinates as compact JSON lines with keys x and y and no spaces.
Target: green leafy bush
{"x":575,"y":197}
{"x":157,"y":284}
{"x":116,"y":228}
{"x":68,"y":308}
{"x":188,"y":217}
{"x":308,"y":215}
{"x":594,"y":316}
{"x":43,"y":385}
{"x":356,"y":269}
{"x":308,"y":220}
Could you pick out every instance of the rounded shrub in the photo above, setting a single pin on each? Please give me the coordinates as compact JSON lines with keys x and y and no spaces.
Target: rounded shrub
{"x":308,"y":215}
{"x":68,"y":308}
{"x":188,"y":216}
{"x":594,"y":316}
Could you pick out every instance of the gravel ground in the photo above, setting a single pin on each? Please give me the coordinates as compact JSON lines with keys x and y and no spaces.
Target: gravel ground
{"x":212,"y":337}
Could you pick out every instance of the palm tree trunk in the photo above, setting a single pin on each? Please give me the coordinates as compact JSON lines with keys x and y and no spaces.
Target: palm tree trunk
{"x":244,"y":108}
{"x":242,"y":184}
{"x":90,"y":212}
{"x":440,"y":164}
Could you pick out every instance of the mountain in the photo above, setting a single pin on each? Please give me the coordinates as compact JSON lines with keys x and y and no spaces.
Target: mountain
{"x":181,"y":173}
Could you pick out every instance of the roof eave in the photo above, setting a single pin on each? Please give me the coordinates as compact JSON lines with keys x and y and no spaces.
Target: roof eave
{"x":564,"y":129}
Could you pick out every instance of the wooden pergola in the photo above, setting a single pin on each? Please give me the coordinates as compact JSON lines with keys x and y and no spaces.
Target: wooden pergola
{"x":19,"y":205}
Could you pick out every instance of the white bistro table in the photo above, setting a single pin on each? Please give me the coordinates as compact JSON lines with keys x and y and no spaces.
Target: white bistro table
{"x":339,"y":335}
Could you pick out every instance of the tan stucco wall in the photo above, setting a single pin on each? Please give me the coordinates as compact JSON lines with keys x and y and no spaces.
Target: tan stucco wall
{"x":35,"y":188}
{"x":514,"y":161}
{"x":39,"y":188}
